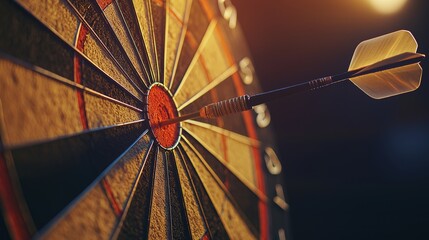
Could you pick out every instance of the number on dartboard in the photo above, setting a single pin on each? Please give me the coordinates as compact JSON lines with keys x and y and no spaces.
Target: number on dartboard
{"x":272,"y":162}
{"x":279,"y":199}
{"x":282,"y":234}
{"x":229,"y":12}
{"x":246,"y":70}
{"x":263,"y":117}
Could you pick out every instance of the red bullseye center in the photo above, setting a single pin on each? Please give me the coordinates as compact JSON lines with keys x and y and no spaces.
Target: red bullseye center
{"x":160,"y":108}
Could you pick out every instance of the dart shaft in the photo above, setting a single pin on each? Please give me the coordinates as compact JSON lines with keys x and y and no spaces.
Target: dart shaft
{"x":288,"y":91}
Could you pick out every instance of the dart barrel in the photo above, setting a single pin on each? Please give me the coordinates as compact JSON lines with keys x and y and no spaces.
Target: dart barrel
{"x":320,"y":82}
{"x":226,"y":107}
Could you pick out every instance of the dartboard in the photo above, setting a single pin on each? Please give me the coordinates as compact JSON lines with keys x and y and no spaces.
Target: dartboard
{"x":84,"y":85}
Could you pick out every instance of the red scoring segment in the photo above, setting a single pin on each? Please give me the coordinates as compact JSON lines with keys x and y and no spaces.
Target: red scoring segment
{"x":160,"y":108}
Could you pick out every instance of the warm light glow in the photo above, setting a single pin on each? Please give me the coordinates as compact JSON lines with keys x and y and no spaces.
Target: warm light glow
{"x":387,"y":6}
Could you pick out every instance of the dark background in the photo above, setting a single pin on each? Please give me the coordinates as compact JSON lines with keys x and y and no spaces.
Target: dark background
{"x":354,"y":167}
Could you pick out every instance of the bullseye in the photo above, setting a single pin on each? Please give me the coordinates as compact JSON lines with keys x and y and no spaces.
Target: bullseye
{"x":161,"y":107}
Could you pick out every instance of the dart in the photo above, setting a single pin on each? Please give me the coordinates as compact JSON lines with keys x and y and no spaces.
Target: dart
{"x":381,"y":67}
